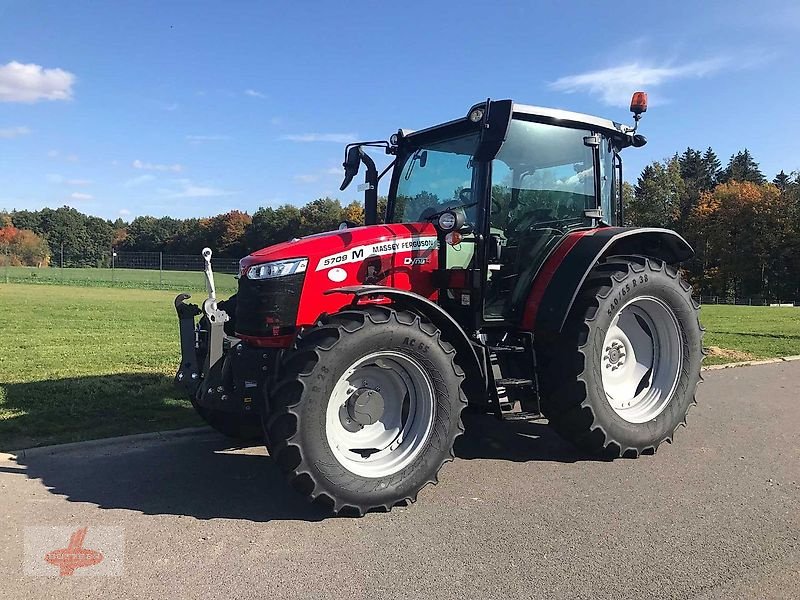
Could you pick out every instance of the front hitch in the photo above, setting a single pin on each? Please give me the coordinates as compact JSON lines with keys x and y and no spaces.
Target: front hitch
{"x":191,"y":372}
{"x":188,"y":376}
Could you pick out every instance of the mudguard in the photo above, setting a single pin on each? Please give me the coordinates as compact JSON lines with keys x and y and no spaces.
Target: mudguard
{"x":451,"y":330}
{"x":560,"y":279}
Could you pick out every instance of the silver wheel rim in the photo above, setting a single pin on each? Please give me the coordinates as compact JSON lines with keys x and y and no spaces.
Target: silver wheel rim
{"x":642,"y":358}
{"x":380,"y":414}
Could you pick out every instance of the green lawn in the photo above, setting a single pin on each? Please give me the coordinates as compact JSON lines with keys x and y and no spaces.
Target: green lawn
{"x":87,"y":362}
{"x":746,"y":332}
{"x":79,"y":363}
{"x":124,"y":278}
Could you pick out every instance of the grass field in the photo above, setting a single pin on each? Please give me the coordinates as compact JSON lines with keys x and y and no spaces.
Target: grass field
{"x":124,"y":278}
{"x":87,"y":362}
{"x":79,"y":363}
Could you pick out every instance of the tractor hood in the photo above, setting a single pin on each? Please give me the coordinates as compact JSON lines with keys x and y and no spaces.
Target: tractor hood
{"x":349,"y":246}
{"x":400,"y":255}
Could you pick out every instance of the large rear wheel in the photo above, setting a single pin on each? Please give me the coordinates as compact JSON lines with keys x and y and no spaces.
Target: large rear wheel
{"x":623,"y":376}
{"x":367,"y":409}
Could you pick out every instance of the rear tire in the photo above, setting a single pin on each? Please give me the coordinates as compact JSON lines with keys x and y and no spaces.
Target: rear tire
{"x":367,"y":409}
{"x":623,"y":375}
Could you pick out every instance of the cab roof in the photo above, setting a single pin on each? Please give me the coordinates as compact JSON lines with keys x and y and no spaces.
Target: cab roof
{"x":566,"y":117}
{"x":555,"y":116}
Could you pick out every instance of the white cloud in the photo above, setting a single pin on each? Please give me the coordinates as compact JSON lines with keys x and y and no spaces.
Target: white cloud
{"x":254,"y":94}
{"x":313,"y":177}
{"x":141,"y":179}
{"x":193,"y":190}
{"x":81,"y":196}
{"x":59,"y":154}
{"x":55,"y":178}
{"x":310,"y":178}
{"x":12,"y":132}
{"x":339,"y":138}
{"x":173,"y":106}
{"x":31,"y":83}
{"x":614,"y":85}
{"x":138,"y":164}
{"x":207,"y":138}
{"x":123,"y":212}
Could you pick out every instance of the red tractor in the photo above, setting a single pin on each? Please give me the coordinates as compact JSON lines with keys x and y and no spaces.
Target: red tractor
{"x":501,"y":279}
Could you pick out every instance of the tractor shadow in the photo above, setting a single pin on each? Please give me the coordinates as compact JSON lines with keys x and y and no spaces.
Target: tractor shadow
{"x":205,"y":475}
{"x":200,"y":476}
{"x":487,"y":437}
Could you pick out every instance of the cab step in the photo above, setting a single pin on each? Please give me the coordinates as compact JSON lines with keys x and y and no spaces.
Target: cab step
{"x":522,"y":416}
{"x":514,"y":382}
{"x":506,"y":349}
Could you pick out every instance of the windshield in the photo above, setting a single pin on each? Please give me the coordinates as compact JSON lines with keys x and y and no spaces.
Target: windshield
{"x":434,"y":177}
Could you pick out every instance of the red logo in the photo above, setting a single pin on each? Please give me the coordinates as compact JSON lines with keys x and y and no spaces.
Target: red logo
{"x":74,"y":555}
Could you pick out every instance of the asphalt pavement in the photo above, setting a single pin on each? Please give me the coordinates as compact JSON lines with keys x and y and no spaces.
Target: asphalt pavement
{"x":519,"y":514}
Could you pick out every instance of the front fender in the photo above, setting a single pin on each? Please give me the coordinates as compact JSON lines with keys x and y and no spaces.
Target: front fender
{"x":452,"y":332}
{"x":560,"y":279}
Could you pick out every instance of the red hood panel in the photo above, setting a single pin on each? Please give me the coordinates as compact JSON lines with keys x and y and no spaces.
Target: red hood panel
{"x":400,"y":255}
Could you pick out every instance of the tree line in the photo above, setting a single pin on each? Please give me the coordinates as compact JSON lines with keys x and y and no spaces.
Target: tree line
{"x":745,"y":229}
{"x":85,"y":241}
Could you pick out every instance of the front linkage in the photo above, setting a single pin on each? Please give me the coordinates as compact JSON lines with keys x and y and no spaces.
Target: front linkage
{"x":217,"y":371}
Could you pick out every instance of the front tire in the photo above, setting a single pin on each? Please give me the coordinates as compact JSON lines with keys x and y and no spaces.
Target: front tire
{"x":238,"y":426}
{"x":367,"y":409}
{"x":623,"y":376}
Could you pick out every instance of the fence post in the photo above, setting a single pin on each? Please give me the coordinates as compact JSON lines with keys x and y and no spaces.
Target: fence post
{"x":160,"y":269}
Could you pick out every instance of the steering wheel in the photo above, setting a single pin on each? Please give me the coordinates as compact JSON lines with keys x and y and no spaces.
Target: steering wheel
{"x":465,"y":196}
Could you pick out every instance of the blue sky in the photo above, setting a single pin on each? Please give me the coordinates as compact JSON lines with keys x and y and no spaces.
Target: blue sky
{"x":195,"y":108}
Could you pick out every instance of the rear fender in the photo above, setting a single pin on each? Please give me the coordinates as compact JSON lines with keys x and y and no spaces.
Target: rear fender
{"x":452,"y":332}
{"x":560,"y":279}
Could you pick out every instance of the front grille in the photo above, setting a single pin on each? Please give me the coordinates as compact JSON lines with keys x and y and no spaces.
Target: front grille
{"x":263,"y":304}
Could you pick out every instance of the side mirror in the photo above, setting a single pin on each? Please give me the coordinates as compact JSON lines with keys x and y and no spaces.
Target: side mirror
{"x":351,"y":163}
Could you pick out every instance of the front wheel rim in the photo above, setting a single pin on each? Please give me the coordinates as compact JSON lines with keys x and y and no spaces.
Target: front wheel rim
{"x":642,"y":358}
{"x":380,"y":414}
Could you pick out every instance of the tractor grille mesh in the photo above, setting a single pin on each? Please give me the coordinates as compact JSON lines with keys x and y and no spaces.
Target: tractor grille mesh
{"x":268,"y":303}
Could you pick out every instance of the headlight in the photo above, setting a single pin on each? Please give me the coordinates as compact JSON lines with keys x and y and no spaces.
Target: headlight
{"x":278,"y":268}
{"x":447,"y":221}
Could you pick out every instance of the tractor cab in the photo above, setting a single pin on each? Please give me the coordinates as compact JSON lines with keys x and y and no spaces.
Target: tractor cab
{"x":503,"y":186}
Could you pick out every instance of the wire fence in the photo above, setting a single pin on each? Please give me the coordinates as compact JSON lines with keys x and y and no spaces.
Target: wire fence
{"x":748,"y":301}
{"x":159,"y":270}
{"x":169,"y":262}
{"x":146,"y":270}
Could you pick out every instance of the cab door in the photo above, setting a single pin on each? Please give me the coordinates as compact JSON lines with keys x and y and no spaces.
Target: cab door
{"x":543,"y":185}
